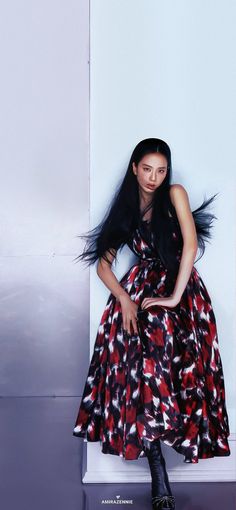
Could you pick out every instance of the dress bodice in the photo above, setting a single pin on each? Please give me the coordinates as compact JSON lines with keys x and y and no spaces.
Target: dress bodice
{"x":142,"y":244}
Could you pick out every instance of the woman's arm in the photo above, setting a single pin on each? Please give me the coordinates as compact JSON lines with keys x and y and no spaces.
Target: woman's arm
{"x":128,"y":307}
{"x":179,"y":198}
{"x":106,"y":274}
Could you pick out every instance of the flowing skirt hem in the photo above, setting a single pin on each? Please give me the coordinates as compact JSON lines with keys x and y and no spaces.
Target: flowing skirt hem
{"x":216,"y":448}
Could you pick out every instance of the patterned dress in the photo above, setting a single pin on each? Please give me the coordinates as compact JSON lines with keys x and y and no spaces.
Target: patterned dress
{"x":164,"y":382}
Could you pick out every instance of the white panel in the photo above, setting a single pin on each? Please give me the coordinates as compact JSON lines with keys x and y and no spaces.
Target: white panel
{"x":117,"y":470}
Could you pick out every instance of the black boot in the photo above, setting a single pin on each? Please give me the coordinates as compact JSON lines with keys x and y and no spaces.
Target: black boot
{"x":162,"y":498}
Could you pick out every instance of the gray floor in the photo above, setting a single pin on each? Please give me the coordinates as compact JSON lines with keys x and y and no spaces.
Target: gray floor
{"x":41,"y":465}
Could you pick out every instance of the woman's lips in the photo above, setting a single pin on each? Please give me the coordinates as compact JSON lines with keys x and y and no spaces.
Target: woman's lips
{"x":150,"y":186}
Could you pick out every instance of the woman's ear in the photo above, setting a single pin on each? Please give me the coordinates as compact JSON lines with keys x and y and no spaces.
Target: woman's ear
{"x":134,"y":169}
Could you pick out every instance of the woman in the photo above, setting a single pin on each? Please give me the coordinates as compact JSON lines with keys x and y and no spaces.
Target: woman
{"x":156,"y":372}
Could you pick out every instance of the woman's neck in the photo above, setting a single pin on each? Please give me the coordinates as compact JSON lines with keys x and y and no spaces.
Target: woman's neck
{"x":148,"y":210}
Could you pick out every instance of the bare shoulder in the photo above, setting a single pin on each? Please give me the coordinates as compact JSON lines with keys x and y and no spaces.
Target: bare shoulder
{"x":178,"y":193}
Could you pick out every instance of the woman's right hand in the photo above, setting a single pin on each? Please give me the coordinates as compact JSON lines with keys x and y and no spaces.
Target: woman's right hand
{"x":129,"y":314}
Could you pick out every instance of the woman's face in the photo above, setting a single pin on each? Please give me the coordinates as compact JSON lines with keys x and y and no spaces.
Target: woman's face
{"x":150,"y":172}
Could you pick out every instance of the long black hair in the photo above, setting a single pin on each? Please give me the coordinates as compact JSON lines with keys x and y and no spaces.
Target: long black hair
{"x":124,"y":216}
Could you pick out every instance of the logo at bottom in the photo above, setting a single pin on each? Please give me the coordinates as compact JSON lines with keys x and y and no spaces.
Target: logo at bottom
{"x":117,"y":501}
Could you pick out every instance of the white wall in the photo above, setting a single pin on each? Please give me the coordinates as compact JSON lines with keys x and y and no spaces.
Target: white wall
{"x":44,"y":195}
{"x":44,"y":204}
{"x":166,"y":70}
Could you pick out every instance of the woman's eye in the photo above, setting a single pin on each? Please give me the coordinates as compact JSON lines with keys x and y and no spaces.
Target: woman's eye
{"x":148,"y":169}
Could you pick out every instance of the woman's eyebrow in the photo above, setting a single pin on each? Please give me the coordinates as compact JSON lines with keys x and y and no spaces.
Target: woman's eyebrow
{"x":160,"y":167}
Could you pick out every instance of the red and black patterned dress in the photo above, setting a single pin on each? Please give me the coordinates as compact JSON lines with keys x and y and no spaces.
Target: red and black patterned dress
{"x":164,"y":382}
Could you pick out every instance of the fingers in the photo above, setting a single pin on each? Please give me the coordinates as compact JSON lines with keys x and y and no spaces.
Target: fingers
{"x":129,"y":318}
{"x":146,"y":302}
{"x":129,"y":324}
{"x":134,"y":324}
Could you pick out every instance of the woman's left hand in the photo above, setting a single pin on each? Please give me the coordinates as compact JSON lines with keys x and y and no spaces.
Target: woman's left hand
{"x":170,"y":301}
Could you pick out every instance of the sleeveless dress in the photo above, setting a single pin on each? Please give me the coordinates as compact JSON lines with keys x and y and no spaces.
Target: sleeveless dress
{"x":166,"y":381}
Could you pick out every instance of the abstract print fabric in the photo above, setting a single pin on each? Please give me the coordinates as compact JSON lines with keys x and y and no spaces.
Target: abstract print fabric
{"x":166,"y":381}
